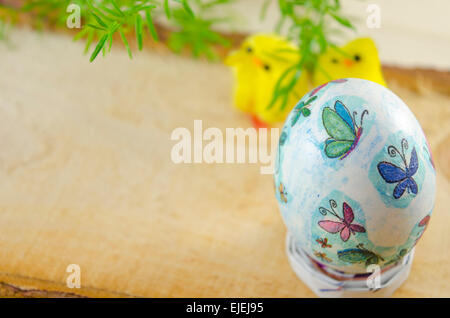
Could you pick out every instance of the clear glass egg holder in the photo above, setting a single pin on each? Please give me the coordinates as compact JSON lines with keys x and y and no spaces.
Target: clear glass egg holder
{"x":328,"y":282}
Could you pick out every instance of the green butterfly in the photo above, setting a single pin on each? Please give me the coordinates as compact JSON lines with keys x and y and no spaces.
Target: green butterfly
{"x":343,"y":131}
{"x":398,"y":257}
{"x":359,"y":255}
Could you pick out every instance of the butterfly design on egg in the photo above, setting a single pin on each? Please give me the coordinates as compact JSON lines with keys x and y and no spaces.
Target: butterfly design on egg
{"x":398,"y":257}
{"x":322,"y":256}
{"x":391,"y":173}
{"x":343,"y":131}
{"x":302,"y":108}
{"x":360,"y":254}
{"x":344,"y":225}
{"x":283,"y":193}
{"x":323,"y":242}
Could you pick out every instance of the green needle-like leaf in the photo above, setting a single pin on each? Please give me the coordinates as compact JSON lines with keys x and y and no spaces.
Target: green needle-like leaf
{"x":99,"y":46}
{"x":125,"y":42}
{"x":113,"y":2}
{"x":99,"y":20}
{"x":81,"y":34}
{"x":139,"y":31}
{"x":187,"y":8}
{"x":110,"y":40}
{"x":345,"y":22}
{"x":89,"y":40}
{"x":167,"y":9}
{"x":150,"y":25}
{"x":264,"y":7}
{"x":96,"y":27}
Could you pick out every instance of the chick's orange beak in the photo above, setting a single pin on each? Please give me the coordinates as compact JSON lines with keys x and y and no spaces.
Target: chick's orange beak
{"x":348,"y":63}
{"x":257,"y":61}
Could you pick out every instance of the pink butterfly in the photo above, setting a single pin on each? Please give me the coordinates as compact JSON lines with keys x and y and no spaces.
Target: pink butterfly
{"x":345,"y":225}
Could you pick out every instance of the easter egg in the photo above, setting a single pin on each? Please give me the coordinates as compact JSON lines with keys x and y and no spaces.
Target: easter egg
{"x":354,"y":176}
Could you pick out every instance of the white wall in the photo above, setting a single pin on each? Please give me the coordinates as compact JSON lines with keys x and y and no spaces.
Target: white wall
{"x":412,"y":33}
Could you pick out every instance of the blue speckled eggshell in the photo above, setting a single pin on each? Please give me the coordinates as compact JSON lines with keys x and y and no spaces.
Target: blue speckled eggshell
{"x":370,"y":204}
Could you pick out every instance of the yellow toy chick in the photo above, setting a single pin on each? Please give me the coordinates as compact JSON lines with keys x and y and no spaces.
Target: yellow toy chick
{"x":357,"y":59}
{"x":257,"y":66}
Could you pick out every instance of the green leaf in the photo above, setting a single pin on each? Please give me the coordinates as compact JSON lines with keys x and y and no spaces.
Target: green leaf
{"x":81,"y":34}
{"x":96,"y":27}
{"x":167,"y":9}
{"x":125,"y":42}
{"x":345,"y":22}
{"x":264,"y":7}
{"x":278,"y":90}
{"x":110,"y":40}
{"x":138,"y":27}
{"x":306,"y":112}
{"x":113,"y":12}
{"x":99,"y":46}
{"x":187,"y":8}
{"x":280,"y":24}
{"x":97,"y":12}
{"x":114,"y":27}
{"x":309,"y":101}
{"x":113,"y":2}
{"x":89,"y":40}
{"x":150,"y":25}
{"x":99,"y":20}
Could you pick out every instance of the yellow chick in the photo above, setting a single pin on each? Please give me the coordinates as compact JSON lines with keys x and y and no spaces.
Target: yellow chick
{"x":257,"y":66}
{"x":357,"y":59}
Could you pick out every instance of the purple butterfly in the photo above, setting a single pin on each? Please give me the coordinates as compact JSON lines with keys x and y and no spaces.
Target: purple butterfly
{"x":394,"y":174}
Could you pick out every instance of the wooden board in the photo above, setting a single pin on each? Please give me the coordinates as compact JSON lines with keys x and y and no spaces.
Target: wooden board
{"x":86,"y":178}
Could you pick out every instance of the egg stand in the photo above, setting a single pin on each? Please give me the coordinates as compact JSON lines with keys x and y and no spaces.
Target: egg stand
{"x":326,"y":282}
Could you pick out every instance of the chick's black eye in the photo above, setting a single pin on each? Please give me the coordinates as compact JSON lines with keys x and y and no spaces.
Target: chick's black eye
{"x":334,"y":61}
{"x":249,"y":50}
{"x":267,"y":67}
{"x":357,"y":58}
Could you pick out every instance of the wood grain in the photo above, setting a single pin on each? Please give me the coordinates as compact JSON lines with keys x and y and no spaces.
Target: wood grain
{"x":87,"y":179}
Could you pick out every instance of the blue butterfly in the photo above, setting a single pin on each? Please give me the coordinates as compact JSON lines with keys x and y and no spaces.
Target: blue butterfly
{"x":394,"y":174}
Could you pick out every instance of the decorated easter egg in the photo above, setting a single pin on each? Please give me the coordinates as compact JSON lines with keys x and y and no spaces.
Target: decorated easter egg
{"x":354,"y":176}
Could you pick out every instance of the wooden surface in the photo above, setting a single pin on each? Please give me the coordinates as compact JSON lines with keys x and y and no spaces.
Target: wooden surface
{"x":86,"y":178}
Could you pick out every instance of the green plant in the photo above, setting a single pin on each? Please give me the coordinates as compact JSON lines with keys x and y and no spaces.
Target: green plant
{"x":108,"y":18}
{"x":307,"y":23}
{"x":196,"y":31}
{"x":103,"y":19}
